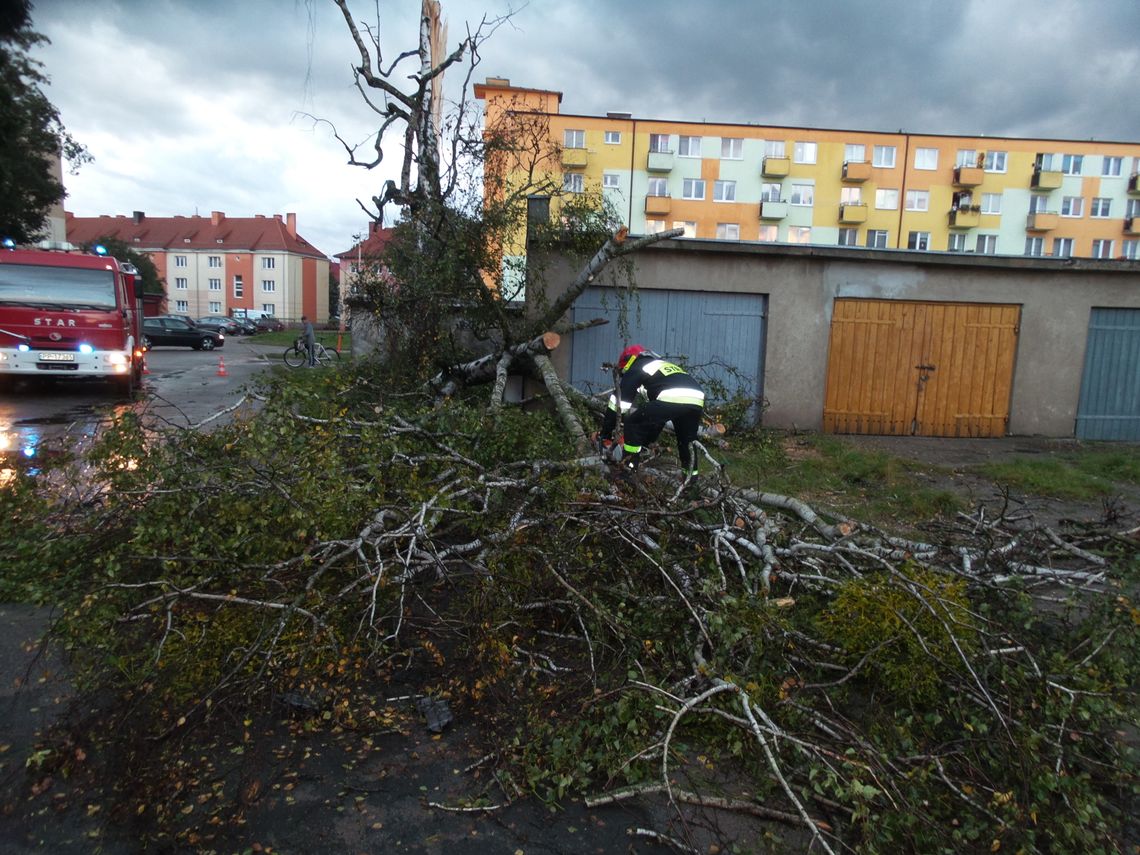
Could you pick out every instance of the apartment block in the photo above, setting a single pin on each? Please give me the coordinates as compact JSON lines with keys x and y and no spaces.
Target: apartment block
{"x":748,"y":182}
{"x":214,"y":265}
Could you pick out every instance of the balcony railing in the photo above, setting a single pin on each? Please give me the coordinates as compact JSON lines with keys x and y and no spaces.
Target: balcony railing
{"x":965,"y":217}
{"x":854,"y":212}
{"x":1042,"y":221}
{"x":776,"y":167}
{"x":968,"y":176}
{"x":660,"y":161}
{"x":1132,"y":225}
{"x":856,"y":170}
{"x":773,"y":210}
{"x":1046,"y":179}
{"x":658,"y":204}
{"x":574,"y":158}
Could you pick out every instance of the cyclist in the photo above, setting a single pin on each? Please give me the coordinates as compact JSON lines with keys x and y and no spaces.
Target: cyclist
{"x":310,"y":339}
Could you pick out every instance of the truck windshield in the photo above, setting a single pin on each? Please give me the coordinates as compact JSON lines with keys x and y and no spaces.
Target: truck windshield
{"x":41,"y":285}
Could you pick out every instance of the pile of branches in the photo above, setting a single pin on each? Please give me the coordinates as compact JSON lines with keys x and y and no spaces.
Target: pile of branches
{"x":716,"y":650}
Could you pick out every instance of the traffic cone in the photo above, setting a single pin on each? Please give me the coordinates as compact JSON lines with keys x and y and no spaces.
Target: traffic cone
{"x":146,"y":368}
{"x":222,"y":367}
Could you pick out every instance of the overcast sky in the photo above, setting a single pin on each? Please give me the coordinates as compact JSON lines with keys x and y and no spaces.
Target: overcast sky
{"x":197,"y":105}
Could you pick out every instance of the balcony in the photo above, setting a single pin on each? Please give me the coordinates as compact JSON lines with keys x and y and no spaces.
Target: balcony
{"x":1134,"y":184}
{"x":968,"y":176}
{"x":853,"y":213}
{"x":1042,"y":221}
{"x":574,"y":158}
{"x":966,"y":217}
{"x":1132,"y":225}
{"x":773,"y":210}
{"x":776,"y":167}
{"x":1046,"y":179}
{"x":660,"y":161}
{"x":856,"y":170}
{"x":658,"y":204}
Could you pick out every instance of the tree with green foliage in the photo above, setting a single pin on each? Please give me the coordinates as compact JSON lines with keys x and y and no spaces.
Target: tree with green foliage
{"x":152,"y":283}
{"x":33,"y":133}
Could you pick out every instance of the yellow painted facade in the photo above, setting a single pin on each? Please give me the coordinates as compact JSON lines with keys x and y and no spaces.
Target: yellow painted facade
{"x":988,"y":195}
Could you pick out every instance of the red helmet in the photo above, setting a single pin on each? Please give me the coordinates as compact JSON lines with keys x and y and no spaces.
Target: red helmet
{"x":628,"y":354}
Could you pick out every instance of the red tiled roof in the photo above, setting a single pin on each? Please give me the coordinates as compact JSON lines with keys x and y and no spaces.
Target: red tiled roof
{"x":217,"y":231}
{"x":372,"y":245}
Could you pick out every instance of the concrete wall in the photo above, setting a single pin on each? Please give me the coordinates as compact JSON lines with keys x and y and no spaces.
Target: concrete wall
{"x":1056,"y":296}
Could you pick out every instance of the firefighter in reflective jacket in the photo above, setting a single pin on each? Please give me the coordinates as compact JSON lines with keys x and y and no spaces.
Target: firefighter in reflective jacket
{"x":673,"y":396}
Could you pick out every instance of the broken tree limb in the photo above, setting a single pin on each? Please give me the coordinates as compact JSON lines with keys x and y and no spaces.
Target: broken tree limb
{"x":483,"y":370}
{"x":615,"y":247}
{"x":562,"y":404}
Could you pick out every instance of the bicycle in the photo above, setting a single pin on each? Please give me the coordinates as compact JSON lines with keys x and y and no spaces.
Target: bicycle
{"x":297,"y":354}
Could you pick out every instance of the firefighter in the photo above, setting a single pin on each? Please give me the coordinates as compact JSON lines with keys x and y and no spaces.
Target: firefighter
{"x":672,"y":396}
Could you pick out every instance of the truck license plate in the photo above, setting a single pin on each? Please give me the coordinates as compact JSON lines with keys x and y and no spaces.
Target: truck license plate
{"x":54,"y":356}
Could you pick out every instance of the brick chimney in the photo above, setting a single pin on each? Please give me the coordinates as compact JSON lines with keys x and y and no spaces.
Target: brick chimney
{"x":291,"y":224}
{"x":216,"y":218}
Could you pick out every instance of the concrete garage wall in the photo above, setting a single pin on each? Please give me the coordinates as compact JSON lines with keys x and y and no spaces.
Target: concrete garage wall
{"x":1056,"y":296}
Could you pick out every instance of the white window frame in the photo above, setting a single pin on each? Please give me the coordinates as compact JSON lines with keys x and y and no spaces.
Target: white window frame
{"x":802,"y":195}
{"x":689,"y":146}
{"x":1035,"y":247}
{"x":214,"y":261}
{"x":724,"y":191}
{"x":883,"y":156}
{"x":1111,"y":166}
{"x":877,"y":238}
{"x":806,"y":151}
{"x":268,"y":263}
{"x":215,"y":307}
{"x":182,"y":306}
{"x":728,"y":231}
{"x":855,"y":153}
{"x":239,"y":286}
{"x":986,"y":245}
{"x":573,"y":182}
{"x":269,"y":309}
{"x":1100,"y":208}
{"x":693,"y":188}
{"x":918,"y":200}
{"x":1130,"y":249}
{"x":215,"y":284}
{"x":799,"y":234}
{"x":918,"y":241}
{"x":956,"y":242}
{"x":573,"y":138}
{"x":1071,"y":164}
{"x":848,"y":237}
{"x":1038,"y":203}
{"x":850,"y":195}
{"x":653,"y":227}
{"x":611,"y":180}
{"x":1063,"y":247}
{"x":768,"y":233}
{"x":659,"y":143}
{"x":613,"y":137}
{"x":1103,"y":248}
{"x":926,"y":159}
{"x":181,"y":283}
{"x":966,"y":157}
{"x":771,"y":191}
{"x":180,"y":261}
{"x":688,"y":226}
{"x":991,"y":203}
{"x":995,"y":161}
{"x":775,"y":148}
{"x":657,"y":187}
{"x":1072,"y":206}
{"x":268,"y":286}
{"x":731,"y":148}
{"x":887,"y":199}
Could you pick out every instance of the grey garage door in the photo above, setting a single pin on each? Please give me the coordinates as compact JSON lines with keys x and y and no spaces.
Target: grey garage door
{"x":719,"y":337}
{"x":1109,"y":406}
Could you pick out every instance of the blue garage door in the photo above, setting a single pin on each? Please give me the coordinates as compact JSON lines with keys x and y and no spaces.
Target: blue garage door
{"x":718,"y":337}
{"x":1109,"y":406}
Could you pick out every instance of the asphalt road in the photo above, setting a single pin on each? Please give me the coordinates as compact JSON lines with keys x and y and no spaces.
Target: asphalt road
{"x":184,"y":387}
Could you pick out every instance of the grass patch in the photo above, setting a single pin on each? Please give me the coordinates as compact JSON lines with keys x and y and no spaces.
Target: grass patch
{"x":286,"y":337}
{"x":824,"y":469}
{"x":1084,"y":475}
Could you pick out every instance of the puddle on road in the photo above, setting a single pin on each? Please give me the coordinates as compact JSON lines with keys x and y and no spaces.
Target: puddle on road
{"x":26,"y":445}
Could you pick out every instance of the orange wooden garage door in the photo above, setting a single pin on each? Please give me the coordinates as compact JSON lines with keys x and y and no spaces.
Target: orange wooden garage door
{"x":927,"y":369}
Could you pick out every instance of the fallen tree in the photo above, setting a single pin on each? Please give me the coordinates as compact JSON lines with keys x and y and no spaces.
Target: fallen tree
{"x":726,"y":651}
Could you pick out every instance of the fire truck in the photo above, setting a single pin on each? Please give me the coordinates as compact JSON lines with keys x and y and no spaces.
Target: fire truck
{"x":70,"y":314}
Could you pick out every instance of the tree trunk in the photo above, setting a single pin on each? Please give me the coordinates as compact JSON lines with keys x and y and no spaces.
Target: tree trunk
{"x":483,"y":369}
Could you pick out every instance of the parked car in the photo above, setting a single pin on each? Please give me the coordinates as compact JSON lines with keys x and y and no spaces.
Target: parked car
{"x":267,"y":323}
{"x":246,"y":326}
{"x":179,"y":331}
{"x":219,"y":323}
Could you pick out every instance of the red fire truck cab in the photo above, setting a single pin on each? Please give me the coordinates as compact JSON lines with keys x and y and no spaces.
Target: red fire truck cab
{"x":69,"y":314}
